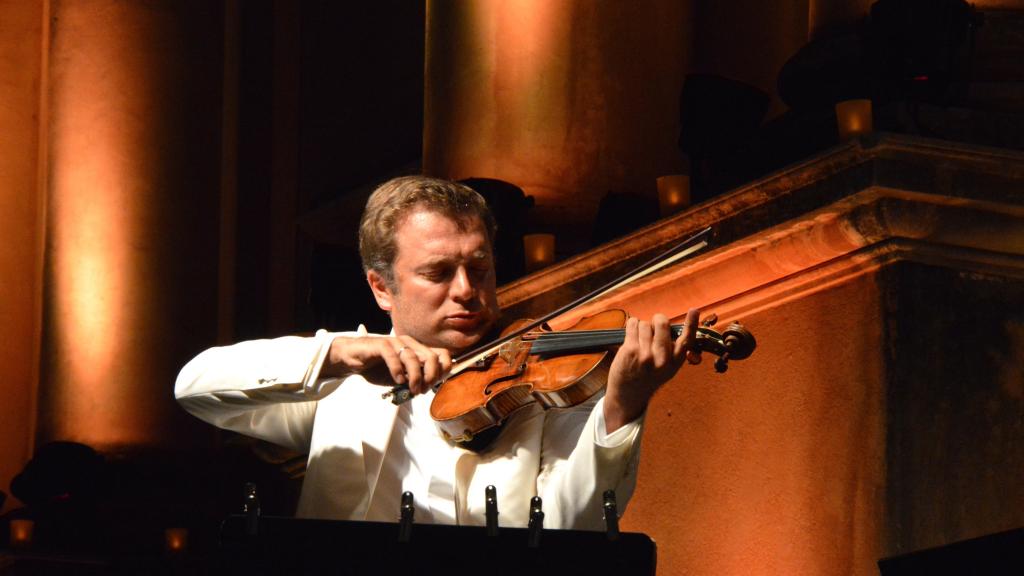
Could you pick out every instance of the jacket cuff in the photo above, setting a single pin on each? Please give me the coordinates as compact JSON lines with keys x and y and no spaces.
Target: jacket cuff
{"x":623,"y":435}
{"x":312,"y":383}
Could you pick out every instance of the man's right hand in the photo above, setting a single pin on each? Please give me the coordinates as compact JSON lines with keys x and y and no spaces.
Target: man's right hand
{"x":388,"y":360}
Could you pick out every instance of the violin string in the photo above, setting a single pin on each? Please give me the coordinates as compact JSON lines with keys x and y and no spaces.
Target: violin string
{"x":573,"y":334}
{"x":566,"y":345}
{"x":552,"y":342}
{"x":569,"y":334}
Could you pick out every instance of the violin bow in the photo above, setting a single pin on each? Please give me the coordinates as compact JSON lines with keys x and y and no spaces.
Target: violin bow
{"x":679,"y":252}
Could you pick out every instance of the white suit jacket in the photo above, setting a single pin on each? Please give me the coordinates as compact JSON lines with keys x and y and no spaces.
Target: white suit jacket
{"x":271,"y":389}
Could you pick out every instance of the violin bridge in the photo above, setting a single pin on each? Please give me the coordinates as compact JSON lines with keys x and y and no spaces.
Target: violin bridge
{"x":509,"y":351}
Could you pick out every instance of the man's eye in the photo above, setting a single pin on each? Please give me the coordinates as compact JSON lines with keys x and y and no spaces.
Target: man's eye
{"x":436,"y":275}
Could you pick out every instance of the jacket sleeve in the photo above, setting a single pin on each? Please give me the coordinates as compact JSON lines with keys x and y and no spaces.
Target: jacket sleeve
{"x":579,"y":461}
{"x":262,"y":388}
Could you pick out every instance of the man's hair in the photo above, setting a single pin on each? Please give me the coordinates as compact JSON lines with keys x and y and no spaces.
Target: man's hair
{"x":395,"y":199}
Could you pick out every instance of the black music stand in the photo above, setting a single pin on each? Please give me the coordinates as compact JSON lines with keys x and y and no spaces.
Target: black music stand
{"x":1000,"y":554}
{"x":295,"y":546}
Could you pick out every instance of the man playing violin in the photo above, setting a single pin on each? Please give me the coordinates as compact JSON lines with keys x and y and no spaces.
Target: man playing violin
{"x":426,"y":246}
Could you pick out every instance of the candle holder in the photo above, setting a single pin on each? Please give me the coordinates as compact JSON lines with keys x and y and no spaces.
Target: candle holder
{"x":673,"y":193}
{"x":176,"y":540}
{"x":539,"y":251}
{"x":853,"y":118}
{"x":21,"y":532}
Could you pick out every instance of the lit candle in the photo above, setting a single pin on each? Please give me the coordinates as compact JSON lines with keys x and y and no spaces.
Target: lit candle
{"x":21,"y":533}
{"x":539,"y":249}
{"x":176,"y":539}
{"x":673,"y":193}
{"x":853,"y":117}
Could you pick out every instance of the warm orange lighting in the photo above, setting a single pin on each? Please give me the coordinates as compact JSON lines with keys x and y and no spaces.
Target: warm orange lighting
{"x":673,"y":193}
{"x":104,"y":175}
{"x":21,"y":533}
{"x":539,"y":250}
{"x":91,"y":232}
{"x":568,"y":100}
{"x":24,"y":27}
{"x":176,"y":539}
{"x":522,"y":46}
{"x":996,"y":4}
{"x":853,"y":118}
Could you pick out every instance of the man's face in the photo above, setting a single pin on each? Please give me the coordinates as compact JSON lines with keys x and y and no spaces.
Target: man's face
{"x":444,"y":287}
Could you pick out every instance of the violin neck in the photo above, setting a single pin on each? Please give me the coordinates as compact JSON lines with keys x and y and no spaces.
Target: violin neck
{"x":581,"y":340}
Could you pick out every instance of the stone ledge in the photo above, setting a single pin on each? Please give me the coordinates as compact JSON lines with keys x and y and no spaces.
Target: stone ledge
{"x":855,"y":201}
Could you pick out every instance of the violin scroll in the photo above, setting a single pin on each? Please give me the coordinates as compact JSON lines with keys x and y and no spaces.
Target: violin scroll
{"x":734,"y":343}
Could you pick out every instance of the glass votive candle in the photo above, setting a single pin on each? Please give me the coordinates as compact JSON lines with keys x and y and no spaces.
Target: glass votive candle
{"x":21,"y":532}
{"x":539,"y":250}
{"x":673,"y":193}
{"x":176,"y":539}
{"x":853,"y":118}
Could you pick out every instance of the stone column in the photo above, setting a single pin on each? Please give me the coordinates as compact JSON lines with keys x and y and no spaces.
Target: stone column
{"x":133,"y":175}
{"x":21,"y":46}
{"x":568,"y":100}
{"x":826,"y":15}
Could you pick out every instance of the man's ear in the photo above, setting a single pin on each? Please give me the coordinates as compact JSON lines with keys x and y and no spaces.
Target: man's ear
{"x":380,"y":289}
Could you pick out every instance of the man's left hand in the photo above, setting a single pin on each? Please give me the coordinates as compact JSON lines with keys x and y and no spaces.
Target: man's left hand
{"x":646,"y":360}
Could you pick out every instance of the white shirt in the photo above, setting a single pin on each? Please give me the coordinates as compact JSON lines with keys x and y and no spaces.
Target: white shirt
{"x":428,"y":466}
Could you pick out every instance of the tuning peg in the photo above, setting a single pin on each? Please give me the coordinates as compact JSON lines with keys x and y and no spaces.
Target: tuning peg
{"x":722,"y":364}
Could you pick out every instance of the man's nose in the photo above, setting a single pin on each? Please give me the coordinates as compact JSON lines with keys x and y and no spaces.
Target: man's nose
{"x":462,"y":286}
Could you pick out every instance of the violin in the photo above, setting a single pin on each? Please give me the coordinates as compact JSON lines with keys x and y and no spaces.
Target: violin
{"x":532,"y":363}
{"x":555,"y":368}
